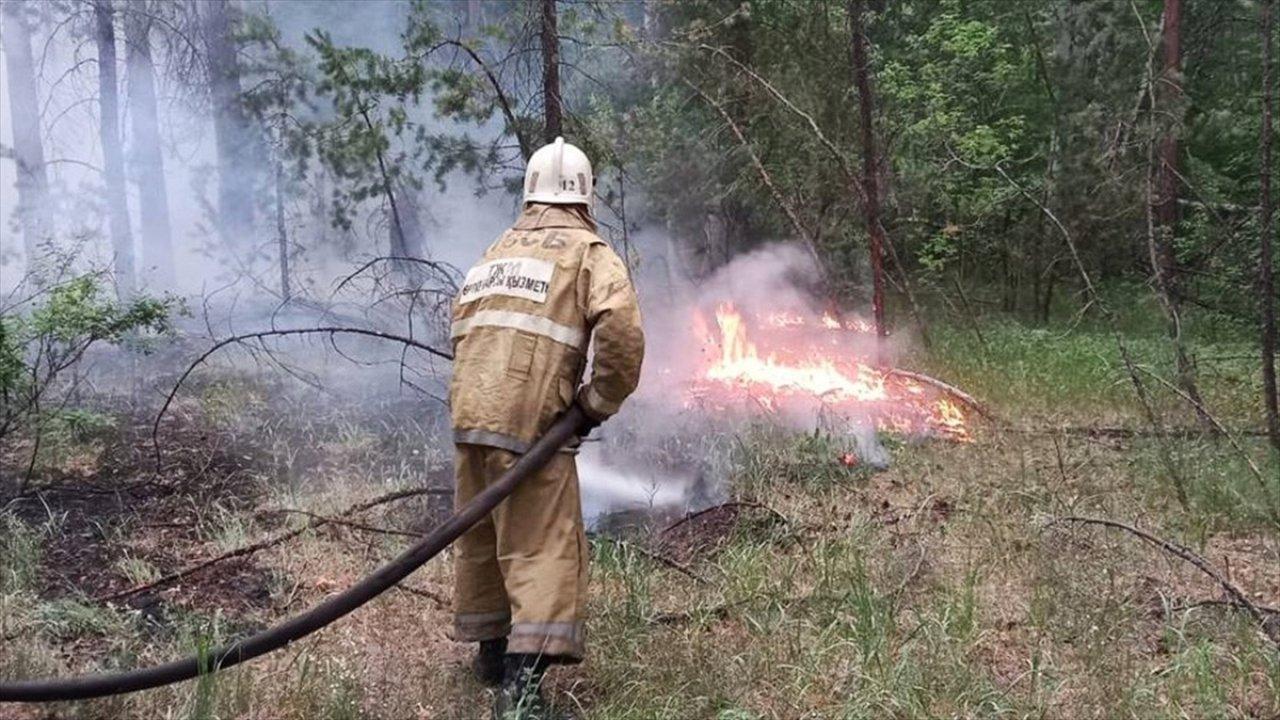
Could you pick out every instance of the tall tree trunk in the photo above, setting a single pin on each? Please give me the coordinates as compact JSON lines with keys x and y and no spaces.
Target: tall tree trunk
{"x":1163,"y":203}
{"x":552,"y":103}
{"x":35,"y":217}
{"x":1169,"y":99}
{"x":1266,"y":283}
{"x":148,"y":161}
{"x":231,"y":129}
{"x":411,"y":234}
{"x":282,"y":236}
{"x":870,"y":158}
{"x":112,"y":153}
{"x":401,"y":245}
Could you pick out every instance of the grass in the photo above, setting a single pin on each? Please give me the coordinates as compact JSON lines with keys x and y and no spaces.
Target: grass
{"x":1074,"y":371}
{"x":934,"y":589}
{"x":20,"y":546}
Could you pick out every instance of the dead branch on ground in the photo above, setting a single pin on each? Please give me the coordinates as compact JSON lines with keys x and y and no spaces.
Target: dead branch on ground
{"x":1231,"y":604}
{"x":348,"y":523}
{"x":1236,"y":594}
{"x":444,"y":270}
{"x":1116,"y":431}
{"x":721,"y":611}
{"x":439,"y":600}
{"x":722,"y":506}
{"x":657,"y":557}
{"x":951,"y":390}
{"x":264,"y":544}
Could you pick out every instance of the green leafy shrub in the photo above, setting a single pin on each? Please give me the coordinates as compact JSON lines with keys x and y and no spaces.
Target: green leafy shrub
{"x":45,"y":337}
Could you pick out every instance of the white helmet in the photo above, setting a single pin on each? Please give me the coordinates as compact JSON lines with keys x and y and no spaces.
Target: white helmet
{"x":559,"y":174}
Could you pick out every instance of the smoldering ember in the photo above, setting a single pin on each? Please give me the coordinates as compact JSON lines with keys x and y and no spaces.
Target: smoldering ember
{"x":724,"y":359}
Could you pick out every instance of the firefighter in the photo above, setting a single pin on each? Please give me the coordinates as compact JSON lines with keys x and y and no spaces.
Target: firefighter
{"x":522,"y":323}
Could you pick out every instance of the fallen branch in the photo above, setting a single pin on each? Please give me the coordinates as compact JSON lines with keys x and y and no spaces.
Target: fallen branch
{"x":1116,"y":431}
{"x":720,"y":612}
{"x":722,"y":506}
{"x":350,"y":524}
{"x":263,"y":544}
{"x":658,"y":558}
{"x":440,"y":600}
{"x":951,"y":390}
{"x":1224,"y":604}
{"x":1184,"y":553}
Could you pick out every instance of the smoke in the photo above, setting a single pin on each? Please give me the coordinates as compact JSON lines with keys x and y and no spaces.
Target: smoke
{"x":668,"y":454}
{"x":457,"y":223}
{"x":660,"y":454}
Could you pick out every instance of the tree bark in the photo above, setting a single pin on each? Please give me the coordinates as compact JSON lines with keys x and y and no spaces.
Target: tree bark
{"x":870,"y":158}
{"x":231,"y":130}
{"x":1163,"y":204}
{"x":35,"y":217}
{"x":1266,"y":281}
{"x":552,"y":102}
{"x":112,"y":152}
{"x":411,"y":235}
{"x":148,"y":161}
{"x":1169,"y":98}
{"x":400,"y":244}
{"x":282,"y":236}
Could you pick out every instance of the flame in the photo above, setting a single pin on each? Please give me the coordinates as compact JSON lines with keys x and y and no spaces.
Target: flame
{"x":742,"y":364}
{"x":800,"y":367}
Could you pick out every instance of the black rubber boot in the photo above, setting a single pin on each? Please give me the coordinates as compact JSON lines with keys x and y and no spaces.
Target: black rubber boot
{"x":520,"y":697}
{"x":489,"y":661}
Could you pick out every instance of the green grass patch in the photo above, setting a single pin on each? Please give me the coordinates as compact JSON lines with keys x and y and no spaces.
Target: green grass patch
{"x":1026,"y":370}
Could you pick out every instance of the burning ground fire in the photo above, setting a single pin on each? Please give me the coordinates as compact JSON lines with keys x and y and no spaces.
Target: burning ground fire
{"x":784,"y":358}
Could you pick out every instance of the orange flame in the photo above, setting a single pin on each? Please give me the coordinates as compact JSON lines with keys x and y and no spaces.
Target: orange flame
{"x":740,"y":363}
{"x":802,"y":368}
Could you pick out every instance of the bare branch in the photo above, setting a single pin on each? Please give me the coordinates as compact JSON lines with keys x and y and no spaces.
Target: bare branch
{"x":261,"y":545}
{"x":155,"y":428}
{"x":1179,"y":551}
{"x":952,"y":390}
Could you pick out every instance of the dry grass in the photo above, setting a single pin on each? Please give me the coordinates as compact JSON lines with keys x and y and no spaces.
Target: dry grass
{"x":931,"y":590}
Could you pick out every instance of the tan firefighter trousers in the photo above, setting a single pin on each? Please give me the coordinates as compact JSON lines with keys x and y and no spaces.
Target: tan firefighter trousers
{"x":522,"y":571}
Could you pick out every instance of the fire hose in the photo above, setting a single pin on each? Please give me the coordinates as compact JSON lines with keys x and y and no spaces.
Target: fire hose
{"x":335,"y":607}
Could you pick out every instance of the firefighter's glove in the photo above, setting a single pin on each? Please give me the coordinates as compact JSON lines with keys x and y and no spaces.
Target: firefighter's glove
{"x":588,"y":423}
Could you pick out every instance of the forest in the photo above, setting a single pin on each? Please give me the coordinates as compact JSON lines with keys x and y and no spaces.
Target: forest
{"x":958,"y":399}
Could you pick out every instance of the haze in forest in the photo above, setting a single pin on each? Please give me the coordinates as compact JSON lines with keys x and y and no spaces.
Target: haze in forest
{"x":958,"y":399}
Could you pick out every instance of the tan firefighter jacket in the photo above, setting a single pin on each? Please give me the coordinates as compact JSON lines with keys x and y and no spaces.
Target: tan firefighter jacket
{"x":522,"y":322}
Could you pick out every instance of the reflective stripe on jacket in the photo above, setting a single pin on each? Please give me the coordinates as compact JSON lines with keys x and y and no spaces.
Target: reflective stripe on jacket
{"x":522,"y":323}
